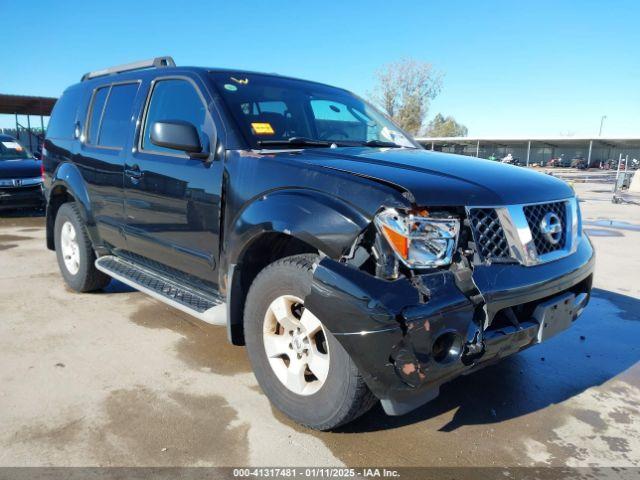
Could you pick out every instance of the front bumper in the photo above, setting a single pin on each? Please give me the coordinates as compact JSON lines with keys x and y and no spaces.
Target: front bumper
{"x":21,"y":197}
{"x":389,"y":328}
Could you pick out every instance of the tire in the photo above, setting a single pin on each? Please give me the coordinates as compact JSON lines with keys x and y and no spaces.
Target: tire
{"x":323,"y":405}
{"x":86,"y":277}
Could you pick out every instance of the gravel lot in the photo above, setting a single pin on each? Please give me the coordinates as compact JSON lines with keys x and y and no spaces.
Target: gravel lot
{"x":119,"y":379}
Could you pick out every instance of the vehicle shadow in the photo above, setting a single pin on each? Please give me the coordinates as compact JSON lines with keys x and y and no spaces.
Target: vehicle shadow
{"x":596,"y":349}
{"x":116,"y":286}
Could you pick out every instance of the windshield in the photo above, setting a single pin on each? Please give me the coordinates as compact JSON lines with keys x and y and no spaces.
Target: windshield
{"x":11,"y":149}
{"x":274,"y":111}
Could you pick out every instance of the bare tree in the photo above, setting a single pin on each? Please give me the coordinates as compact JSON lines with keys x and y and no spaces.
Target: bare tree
{"x":405,"y":89}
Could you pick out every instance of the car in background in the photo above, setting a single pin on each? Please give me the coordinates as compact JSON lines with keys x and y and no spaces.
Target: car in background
{"x":553,"y":162}
{"x":20,"y":176}
{"x":579,"y":162}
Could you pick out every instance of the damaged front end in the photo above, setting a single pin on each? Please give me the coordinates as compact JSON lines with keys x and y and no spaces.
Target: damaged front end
{"x":415,"y":303}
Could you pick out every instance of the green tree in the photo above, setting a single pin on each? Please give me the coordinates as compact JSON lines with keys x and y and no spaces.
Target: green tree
{"x":442,"y":126}
{"x":404,"y":89}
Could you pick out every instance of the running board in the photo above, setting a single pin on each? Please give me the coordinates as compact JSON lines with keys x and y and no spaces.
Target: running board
{"x":204,"y":306}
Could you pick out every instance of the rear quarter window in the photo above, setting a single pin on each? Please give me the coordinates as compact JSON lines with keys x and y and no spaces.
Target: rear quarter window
{"x":97,"y":107}
{"x":63,"y":116}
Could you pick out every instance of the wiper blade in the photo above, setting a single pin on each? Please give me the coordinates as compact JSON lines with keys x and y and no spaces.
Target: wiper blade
{"x":296,"y":141}
{"x":381,"y":143}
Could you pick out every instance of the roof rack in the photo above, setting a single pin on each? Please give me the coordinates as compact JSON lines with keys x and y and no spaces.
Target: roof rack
{"x":158,"y":62}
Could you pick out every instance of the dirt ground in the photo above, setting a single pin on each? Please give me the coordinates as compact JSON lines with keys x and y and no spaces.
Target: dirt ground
{"x":119,"y":379}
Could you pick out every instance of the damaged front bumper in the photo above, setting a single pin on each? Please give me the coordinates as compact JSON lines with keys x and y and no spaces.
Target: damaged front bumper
{"x":407,"y":343}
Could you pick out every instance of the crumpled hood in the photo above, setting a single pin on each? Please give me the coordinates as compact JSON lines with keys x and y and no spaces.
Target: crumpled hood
{"x":435,"y":178}
{"x":20,"y":168}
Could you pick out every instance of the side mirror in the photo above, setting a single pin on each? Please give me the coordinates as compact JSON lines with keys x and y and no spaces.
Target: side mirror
{"x":178,"y":135}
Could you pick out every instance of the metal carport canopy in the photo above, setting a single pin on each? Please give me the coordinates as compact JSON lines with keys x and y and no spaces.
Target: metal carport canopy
{"x":507,"y":140}
{"x":26,"y":105}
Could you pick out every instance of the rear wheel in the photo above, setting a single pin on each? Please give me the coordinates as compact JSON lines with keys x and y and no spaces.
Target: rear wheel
{"x":299,"y":364}
{"x":75,"y":253}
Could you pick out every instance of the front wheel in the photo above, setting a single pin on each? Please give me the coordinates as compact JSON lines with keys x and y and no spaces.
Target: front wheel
{"x":299,"y":364}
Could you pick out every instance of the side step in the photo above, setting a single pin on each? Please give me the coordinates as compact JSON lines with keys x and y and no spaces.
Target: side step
{"x":202,"y":305}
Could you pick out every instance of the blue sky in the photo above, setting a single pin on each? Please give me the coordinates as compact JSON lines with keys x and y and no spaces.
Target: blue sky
{"x":511,"y":67}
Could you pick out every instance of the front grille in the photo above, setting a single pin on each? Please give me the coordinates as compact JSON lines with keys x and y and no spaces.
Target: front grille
{"x":534,"y":215}
{"x":488,"y":234}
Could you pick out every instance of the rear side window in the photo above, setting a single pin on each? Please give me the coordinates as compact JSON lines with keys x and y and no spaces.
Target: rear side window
{"x":63,"y":117}
{"x":97,"y":107}
{"x":173,"y":100}
{"x":110,"y":116}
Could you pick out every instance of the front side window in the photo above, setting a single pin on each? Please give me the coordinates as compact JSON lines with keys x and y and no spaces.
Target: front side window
{"x":110,"y":117}
{"x":171,"y":100}
{"x":271,"y":110}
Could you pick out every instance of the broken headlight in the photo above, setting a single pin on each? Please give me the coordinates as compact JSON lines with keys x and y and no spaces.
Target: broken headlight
{"x":418,"y":239}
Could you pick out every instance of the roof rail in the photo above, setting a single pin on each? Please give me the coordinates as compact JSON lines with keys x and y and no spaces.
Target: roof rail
{"x":158,"y":62}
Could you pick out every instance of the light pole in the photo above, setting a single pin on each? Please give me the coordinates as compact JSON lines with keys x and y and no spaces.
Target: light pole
{"x":601,"y":124}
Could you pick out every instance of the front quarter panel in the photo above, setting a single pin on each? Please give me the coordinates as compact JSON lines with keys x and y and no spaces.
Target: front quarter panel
{"x":270,"y":193}
{"x":313,"y":217}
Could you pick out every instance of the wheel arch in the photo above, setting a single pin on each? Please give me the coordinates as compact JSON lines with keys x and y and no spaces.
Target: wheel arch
{"x":261,"y":252}
{"x":277,"y":225}
{"x":67,"y":185}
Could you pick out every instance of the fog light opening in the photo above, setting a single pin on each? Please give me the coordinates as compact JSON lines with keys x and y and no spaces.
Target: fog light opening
{"x":447,"y":348}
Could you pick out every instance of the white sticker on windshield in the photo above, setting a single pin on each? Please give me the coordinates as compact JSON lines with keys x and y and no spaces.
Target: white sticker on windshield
{"x":395,"y":137}
{"x":12,"y":145}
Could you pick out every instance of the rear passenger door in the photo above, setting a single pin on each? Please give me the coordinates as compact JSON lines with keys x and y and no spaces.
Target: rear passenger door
{"x":107,"y":135}
{"x":172,"y":200}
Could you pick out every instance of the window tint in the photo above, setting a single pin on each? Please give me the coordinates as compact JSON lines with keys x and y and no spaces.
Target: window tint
{"x":97,"y":107}
{"x":272,"y":107}
{"x":173,"y":100}
{"x":63,"y":117}
{"x":334,"y":121}
{"x":267,"y":107}
{"x":116,"y":119}
{"x":333,"y":111}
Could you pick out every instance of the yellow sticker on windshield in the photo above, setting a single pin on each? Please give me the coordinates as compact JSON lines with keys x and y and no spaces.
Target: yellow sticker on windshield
{"x":262,"y":128}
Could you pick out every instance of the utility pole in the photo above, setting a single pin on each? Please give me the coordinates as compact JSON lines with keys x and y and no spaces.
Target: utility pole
{"x":601,"y":124}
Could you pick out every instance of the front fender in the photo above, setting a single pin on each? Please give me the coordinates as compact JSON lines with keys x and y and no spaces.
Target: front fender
{"x":328,"y":224}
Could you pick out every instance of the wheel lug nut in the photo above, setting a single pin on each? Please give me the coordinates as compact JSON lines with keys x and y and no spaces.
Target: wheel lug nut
{"x":291,"y":346}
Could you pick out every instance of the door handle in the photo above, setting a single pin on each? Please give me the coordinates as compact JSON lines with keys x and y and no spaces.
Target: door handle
{"x":134,"y":172}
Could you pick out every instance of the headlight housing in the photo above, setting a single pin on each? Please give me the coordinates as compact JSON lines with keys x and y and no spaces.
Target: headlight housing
{"x":418,"y":239}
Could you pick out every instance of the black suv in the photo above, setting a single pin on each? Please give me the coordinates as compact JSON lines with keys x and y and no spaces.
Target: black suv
{"x":354,"y":265}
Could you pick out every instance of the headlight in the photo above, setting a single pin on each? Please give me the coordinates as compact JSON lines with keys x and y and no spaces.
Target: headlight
{"x":419,"y":240}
